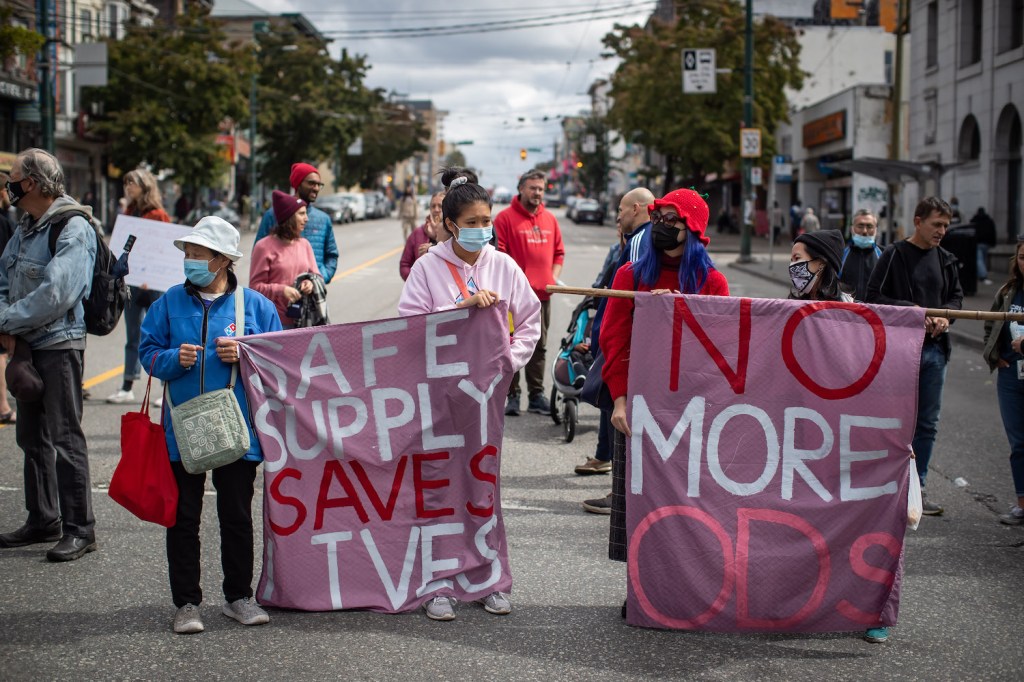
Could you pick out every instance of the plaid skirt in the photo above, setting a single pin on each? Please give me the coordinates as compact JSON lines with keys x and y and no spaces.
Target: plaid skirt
{"x":618,"y":544}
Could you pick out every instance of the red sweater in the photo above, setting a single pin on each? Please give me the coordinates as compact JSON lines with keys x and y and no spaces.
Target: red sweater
{"x":534,"y":242}
{"x":617,"y":327}
{"x":412,"y":249}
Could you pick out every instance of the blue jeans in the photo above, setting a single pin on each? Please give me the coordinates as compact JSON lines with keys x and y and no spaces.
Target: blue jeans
{"x":134,"y":314}
{"x":929,"y":404}
{"x":1010,"y":390}
{"x":982,"y":261}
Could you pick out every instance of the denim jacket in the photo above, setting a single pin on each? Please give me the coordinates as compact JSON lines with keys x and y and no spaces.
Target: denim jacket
{"x":41,"y":296}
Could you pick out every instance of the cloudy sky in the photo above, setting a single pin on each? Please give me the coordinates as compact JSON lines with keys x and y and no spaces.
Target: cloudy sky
{"x":498,"y":86}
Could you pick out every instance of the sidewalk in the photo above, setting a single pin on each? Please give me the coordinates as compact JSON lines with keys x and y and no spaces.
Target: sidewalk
{"x":968,"y":333}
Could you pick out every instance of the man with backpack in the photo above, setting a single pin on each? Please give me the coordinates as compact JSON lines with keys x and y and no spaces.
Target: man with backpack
{"x":41,"y":306}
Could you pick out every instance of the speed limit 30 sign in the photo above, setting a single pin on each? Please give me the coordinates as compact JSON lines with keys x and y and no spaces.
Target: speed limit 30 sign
{"x":750,"y":143}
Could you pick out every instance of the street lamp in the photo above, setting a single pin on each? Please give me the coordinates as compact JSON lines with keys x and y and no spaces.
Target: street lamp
{"x":257,"y":28}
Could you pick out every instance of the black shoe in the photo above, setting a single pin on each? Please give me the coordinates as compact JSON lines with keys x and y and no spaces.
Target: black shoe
{"x":71,"y":547}
{"x":539,"y":404}
{"x":27,"y":535}
{"x":624,"y":608}
{"x":512,"y":405}
{"x":599,"y":505}
{"x":930,"y":508}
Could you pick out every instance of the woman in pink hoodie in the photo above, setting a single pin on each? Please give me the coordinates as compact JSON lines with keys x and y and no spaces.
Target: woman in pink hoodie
{"x":467,"y":271}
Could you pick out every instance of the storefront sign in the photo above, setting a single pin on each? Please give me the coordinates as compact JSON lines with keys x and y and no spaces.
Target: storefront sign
{"x":18,"y":91}
{"x":826,"y":129}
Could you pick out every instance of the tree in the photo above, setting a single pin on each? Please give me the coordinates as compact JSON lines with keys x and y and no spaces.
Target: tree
{"x":391,"y":134}
{"x":170,"y":90}
{"x":311,"y":106}
{"x":697,"y":134}
{"x":455,"y":158}
{"x":16,"y":39}
{"x":592,"y":151}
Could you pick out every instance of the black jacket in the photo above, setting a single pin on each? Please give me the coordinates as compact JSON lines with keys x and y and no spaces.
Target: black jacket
{"x":857,"y":266}
{"x":890,"y":283}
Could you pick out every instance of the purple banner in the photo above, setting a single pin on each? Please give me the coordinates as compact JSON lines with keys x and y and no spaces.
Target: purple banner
{"x":382,"y":447}
{"x":767,"y":466}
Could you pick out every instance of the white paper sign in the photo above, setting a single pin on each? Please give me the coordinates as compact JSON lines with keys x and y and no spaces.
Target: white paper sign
{"x":154,"y":261}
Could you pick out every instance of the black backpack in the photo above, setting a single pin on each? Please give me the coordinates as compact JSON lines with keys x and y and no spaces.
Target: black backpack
{"x":108,"y":295}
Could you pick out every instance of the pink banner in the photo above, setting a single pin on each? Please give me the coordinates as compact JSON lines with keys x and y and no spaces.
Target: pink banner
{"x":767,"y":469}
{"x":382,"y":449}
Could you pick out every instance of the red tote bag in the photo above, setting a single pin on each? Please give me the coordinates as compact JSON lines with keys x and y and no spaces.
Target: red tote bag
{"x":143,"y":482}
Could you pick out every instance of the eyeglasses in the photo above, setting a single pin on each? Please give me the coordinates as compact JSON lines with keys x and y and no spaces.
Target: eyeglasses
{"x":318,"y":185}
{"x":674,"y":221}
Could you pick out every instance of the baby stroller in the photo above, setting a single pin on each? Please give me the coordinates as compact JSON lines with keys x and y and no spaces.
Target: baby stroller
{"x":569,"y":371}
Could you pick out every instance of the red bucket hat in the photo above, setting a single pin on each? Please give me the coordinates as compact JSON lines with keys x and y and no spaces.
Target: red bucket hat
{"x":690,"y":205}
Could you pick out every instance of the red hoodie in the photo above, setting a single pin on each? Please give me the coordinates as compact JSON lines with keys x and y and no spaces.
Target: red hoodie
{"x":534,"y":242}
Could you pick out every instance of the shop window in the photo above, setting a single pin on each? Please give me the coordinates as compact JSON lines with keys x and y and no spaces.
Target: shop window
{"x":970,"y":32}
{"x":1009,"y":24}
{"x":969,"y":147}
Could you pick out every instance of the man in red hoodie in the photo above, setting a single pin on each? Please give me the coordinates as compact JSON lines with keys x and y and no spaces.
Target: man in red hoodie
{"x":529,"y":233}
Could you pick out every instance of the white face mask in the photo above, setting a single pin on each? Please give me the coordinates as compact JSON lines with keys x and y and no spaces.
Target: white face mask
{"x":802,"y":278}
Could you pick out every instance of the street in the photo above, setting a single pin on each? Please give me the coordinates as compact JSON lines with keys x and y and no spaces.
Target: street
{"x":108,"y":615}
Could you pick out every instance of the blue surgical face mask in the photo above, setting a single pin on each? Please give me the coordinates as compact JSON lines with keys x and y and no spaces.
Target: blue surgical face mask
{"x":863,"y":242}
{"x":198,"y":272}
{"x":474,"y":238}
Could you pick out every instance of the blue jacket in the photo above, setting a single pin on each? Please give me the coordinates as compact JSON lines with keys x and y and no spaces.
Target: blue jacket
{"x":179,"y":316}
{"x":41,"y":295}
{"x":319,"y":232}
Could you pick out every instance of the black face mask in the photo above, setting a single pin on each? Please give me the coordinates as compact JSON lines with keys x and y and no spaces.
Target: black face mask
{"x":15,"y":190}
{"x":665,"y":238}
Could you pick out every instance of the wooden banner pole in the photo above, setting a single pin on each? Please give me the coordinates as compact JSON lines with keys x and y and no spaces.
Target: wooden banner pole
{"x":930,"y":312}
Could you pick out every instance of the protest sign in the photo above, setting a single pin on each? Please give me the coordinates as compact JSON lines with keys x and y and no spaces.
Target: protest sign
{"x":767,"y":468}
{"x":381,"y":444}
{"x":154,"y":262}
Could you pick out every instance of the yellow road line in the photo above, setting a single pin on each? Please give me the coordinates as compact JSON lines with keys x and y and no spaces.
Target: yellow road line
{"x":100,"y":378}
{"x":111,"y":373}
{"x":372,"y":261}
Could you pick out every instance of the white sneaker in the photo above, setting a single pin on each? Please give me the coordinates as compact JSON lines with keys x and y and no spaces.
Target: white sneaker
{"x":187,"y":620}
{"x":246,"y":611}
{"x":121,"y":397}
{"x":158,"y":403}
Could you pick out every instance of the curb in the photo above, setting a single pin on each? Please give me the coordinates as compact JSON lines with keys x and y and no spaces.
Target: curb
{"x":961,"y":338}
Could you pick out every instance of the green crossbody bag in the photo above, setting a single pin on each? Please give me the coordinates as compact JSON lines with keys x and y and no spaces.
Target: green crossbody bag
{"x":210,"y":429}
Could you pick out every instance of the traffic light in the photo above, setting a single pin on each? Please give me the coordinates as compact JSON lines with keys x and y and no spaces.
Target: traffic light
{"x":579,"y":164}
{"x":522,"y":154}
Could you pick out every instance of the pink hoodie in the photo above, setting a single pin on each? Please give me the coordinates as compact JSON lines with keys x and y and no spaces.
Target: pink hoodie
{"x":431,"y":288}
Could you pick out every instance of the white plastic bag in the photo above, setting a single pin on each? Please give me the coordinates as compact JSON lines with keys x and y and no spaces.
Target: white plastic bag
{"x":915,"y":505}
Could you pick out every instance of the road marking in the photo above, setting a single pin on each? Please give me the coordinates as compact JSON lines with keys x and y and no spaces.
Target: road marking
{"x":372,"y":261}
{"x":111,"y":373}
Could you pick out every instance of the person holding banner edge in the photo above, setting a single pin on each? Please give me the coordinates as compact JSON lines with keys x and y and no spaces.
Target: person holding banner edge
{"x":143,"y":202}
{"x":454,"y":274}
{"x":675,"y":261}
{"x":1003,"y":352}
{"x":919,"y":272}
{"x":186,"y":338}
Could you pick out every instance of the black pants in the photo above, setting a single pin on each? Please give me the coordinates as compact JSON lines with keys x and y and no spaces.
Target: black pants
{"x":49,"y":431}
{"x":234,"y":485}
{"x":537,"y":365}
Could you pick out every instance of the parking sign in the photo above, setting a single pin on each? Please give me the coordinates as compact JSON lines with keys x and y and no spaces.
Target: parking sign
{"x":750,"y":143}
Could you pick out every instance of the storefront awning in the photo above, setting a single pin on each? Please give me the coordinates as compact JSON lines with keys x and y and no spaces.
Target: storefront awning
{"x":894,"y":172}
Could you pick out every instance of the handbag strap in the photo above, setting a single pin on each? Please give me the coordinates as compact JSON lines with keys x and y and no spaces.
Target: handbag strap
{"x":458,"y":280}
{"x":149,"y":385}
{"x":239,"y":332}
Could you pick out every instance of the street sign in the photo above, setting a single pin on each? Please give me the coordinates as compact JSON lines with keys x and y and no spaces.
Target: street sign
{"x":699,"y":71}
{"x":356,"y":148}
{"x":783,"y":171}
{"x":755,"y":176}
{"x":750,"y":143}
{"x":589,"y":144}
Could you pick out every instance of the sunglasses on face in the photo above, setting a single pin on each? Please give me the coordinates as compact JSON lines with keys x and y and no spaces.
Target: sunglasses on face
{"x":674,"y":221}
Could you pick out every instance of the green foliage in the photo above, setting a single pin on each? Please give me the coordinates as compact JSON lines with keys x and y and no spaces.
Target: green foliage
{"x":698,"y":133}
{"x":391,"y":134}
{"x":310,"y":105}
{"x":169,"y":91}
{"x":16,"y":39}
{"x":455,"y":158}
{"x":593,"y":176}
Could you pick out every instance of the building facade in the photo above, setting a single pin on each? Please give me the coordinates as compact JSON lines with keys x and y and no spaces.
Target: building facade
{"x":967,"y":97}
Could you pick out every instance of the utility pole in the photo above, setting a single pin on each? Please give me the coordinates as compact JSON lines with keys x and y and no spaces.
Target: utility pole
{"x":748,"y":122}
{"x":897,"y":97}
{"x":255,"y":204}
{"x":47,"y":66}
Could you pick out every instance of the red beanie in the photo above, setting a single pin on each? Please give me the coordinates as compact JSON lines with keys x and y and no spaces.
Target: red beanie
{"x":285,"y":206}
{"x":300,"y":171}
{"x":689,"y":205}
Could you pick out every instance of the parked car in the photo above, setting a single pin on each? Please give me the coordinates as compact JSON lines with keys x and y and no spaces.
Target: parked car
{"x":588,"y":211}
{"x":217,"y":208}
{"x":552,"y":200}
{"x":376,"y":204}
{"x":358,"y":204}
{"x":338,"y":207}
{"x":570,"y":207}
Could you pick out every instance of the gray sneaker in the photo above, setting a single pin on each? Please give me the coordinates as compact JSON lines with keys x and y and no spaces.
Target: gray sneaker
{"x":1014,"y":518}
{"x":497,"y":603}
{"x":187,"y":620}
{"x":440,"y":608}
{"x":246,"y":611}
